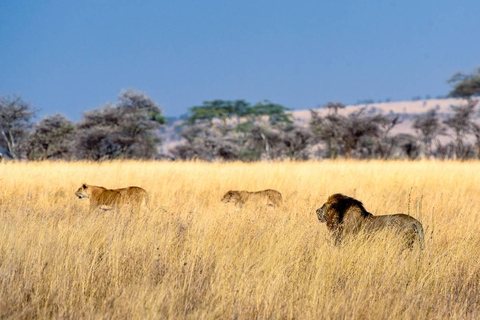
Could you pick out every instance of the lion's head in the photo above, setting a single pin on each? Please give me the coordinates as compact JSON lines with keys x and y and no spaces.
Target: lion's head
{"x":82,"y":192}
{"x":231,"y":196}
{"x":341,"y":210}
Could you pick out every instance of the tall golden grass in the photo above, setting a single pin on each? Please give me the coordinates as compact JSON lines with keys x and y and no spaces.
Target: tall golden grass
{"x":193,"y":257}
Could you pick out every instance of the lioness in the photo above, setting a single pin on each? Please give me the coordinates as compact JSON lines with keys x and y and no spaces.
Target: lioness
{"x":106,"y":199}
{"x":267,"y":197}
{"x":346,"y":216}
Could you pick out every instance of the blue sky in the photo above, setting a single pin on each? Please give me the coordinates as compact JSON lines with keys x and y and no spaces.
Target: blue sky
{"x":73,"y":56}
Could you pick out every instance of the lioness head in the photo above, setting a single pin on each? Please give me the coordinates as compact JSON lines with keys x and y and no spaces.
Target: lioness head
{"x":82,"y":192}
{"x":321,"y":214}
{"x":231,"y":196}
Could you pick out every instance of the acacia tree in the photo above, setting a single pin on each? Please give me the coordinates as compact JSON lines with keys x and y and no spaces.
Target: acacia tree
{"x":203,"y":142}
{"x":138,"y":103}
{"x":461,"y":123}
{"x":127,"y":129}
{"x":208,"y":131}
{"x":258,"y":140}
{"x":296,"y":140}
{"x":327,"y":130}
{"x":385,"y":142}
{"x":345,"y":134}
{"x":408,"y":144}
{"x":15,"y":121}
{"x":476,"y":132}
{"x":428,"y":128}
{"x":261,"y":130}
{"x":97,"y":136}
{"x":217,"y":113}
{"x":233,"y":130}
{"x":51,"y":138}
{"x":465,"y":85}
{"x":334,"y":105}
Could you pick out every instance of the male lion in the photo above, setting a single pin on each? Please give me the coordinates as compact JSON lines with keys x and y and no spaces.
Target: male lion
{"x":267,"y":197}
{"x":106,"y":199}
{"x":346,"y":216}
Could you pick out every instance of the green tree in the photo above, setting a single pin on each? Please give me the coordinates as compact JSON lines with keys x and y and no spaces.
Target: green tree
{"x":221,"y":110}
{"x":465,"y":85}
{"x":233,"y":130}
{"x":274,"y":112}
{"x":260,"y":133}
{"x":334,"y":105}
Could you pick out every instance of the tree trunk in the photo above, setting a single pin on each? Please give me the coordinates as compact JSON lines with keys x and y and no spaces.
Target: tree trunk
{"x":267,"y":148}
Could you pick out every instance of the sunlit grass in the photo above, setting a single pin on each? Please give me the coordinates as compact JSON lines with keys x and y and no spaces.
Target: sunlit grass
{"x":193,"y":257}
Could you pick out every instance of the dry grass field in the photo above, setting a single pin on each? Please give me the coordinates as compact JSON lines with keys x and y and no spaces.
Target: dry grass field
{"x":193,"y":257}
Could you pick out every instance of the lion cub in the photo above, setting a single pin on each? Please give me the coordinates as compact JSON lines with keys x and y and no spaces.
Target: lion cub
{"x":107,"y":199}
{"x":267,"y":197}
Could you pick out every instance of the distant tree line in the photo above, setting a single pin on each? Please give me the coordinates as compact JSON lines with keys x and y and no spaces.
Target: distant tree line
{"x":240,"y":131}
{"x":126,"y":129}
{"x":236,"y":130}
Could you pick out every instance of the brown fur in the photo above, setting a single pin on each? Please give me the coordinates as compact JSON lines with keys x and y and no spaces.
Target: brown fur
{"x":346,"y":216}
{"x":267,"y":197}
{"x":106,"y":199}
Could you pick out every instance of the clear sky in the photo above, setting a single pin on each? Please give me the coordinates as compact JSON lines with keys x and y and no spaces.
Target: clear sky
{"x":73,"y":56}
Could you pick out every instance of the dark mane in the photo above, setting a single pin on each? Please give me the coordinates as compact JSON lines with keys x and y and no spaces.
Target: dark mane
{"x":341,"y":203}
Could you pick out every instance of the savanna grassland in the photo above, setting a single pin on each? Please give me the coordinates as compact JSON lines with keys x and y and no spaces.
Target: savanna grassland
{"x":193,"y":257}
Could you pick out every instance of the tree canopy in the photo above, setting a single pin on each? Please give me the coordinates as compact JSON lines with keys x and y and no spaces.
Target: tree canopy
{"x":465,"y":85}
{"x":16,"y":119}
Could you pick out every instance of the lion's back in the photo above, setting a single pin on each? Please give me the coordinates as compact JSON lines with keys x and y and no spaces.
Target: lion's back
{"x":402,"y":223}
{"x":274,"y":196}
{"x":133,"y":194}
{"x":106,"y":197}
{"x":398,"y":220}
{"x":271,"y":196}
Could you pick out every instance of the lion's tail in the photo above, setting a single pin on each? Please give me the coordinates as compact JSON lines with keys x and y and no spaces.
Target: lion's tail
{"x":419,"y":231}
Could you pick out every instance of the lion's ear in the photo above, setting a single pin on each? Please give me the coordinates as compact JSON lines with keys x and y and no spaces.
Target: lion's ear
{"x":84,"y":186}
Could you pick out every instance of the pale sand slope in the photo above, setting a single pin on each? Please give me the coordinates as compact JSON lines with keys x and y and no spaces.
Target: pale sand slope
{"x":406,"y":109}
